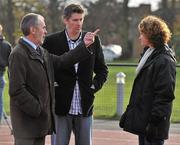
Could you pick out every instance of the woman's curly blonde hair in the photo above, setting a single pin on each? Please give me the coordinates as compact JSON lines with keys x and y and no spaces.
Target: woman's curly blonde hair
{"x":155,"y":29}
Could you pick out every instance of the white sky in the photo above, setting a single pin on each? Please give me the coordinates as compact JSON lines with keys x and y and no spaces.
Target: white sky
{"x":134,"y":3}
{"x":154,"y":3}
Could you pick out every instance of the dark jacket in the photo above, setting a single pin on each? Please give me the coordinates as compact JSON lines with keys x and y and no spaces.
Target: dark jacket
{"x":66,"y":78}
{"x":5,"y":50}
{"x":31,"y":88}
{"x":152,"y":95}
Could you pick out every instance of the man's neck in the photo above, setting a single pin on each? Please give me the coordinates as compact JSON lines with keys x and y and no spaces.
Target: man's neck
{"x":30,"y":42}
{"x":30,"y":38}
{"x":73,"y":35}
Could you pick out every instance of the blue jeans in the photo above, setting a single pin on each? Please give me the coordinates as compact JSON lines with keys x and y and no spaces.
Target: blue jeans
{"x":143,"y":141}
{"x":2,"y":84}
{"x":81,"y":127}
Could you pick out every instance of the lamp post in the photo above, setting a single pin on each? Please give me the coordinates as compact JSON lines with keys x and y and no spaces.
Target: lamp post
{"x":120,"y":81}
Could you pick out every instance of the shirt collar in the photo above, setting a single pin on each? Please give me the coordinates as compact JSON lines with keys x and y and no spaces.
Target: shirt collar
{"x":29,"y":42}
{"x":69,"y":40}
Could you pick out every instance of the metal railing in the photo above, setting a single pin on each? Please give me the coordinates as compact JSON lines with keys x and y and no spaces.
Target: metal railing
{"x":128,"y":64}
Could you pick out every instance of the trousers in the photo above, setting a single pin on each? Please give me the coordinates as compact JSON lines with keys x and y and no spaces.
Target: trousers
{"x":143,"y":141}
{"x":79,"y":125}
{"x":2,"y":85}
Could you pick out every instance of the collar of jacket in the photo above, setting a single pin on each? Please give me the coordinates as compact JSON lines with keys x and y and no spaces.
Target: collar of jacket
{"x":166,"y":50}
{"x":160,"y":50}
{"x":31,"y":51}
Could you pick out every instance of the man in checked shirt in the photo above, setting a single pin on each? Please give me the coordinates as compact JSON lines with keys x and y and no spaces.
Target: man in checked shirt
{"x":75,"y":86}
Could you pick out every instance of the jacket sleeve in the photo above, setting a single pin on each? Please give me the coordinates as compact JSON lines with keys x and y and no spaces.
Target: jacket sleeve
{"x":164,"y":85}
{"x":71,"y":57}
{"x":21,"y":97}
{"x":100,"y":68}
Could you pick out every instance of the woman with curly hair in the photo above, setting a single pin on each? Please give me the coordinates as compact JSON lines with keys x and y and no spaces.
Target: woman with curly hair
{"x":150,"y":105}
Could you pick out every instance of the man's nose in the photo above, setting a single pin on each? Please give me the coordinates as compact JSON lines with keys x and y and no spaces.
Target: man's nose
{"x":45,"y":32}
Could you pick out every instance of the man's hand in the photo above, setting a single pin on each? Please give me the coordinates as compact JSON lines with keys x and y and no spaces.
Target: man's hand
{"x":89,"y":37}
{"x":151,"y":132}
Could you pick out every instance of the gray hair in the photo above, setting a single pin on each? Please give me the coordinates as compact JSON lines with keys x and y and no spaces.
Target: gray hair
{"x":29,"y":20}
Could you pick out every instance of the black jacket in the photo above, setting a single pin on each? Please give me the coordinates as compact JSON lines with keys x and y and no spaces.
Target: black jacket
{"x":152,"y":95}
{"x":66,"y":78}
{"x":5,"y":50}
{"x":31,"y":88}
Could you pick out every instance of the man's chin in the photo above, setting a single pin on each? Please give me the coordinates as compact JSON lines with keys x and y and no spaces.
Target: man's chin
{"x":42,"y":41}
{"x":78,"y":30}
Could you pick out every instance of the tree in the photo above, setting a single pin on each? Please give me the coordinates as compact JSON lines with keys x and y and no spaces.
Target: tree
{"x":105,"y":15}
{"x":2,"y":13}
{"x":127,"y":49}
{"x":167,"y":11}
{"x":112,"y":18}
{"x":7,"y":19}
{"x":54,"y":15}
{"x":10,"y":22}
{"x":19,"y":9}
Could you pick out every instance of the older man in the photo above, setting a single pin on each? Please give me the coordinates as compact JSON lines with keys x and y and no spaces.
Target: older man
{"x":32,"y":81}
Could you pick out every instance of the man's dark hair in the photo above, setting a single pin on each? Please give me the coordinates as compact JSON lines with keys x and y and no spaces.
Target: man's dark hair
{"x":72,"y":8}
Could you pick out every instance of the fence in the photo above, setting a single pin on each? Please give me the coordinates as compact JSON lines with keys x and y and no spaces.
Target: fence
{"x":106,"y":98}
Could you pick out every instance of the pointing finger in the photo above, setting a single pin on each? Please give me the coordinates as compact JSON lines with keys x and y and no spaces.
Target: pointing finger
{"x":96,"y":31}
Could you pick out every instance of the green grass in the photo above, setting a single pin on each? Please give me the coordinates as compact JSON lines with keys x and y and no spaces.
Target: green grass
{"x":105,"y":101}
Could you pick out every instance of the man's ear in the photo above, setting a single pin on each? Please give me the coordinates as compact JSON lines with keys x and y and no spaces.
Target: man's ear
{"x":65,"y":20}
{"x":32,"y":30}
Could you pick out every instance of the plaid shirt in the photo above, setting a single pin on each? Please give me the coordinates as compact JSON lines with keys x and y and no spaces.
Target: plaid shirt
{"x":76,"y":101}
